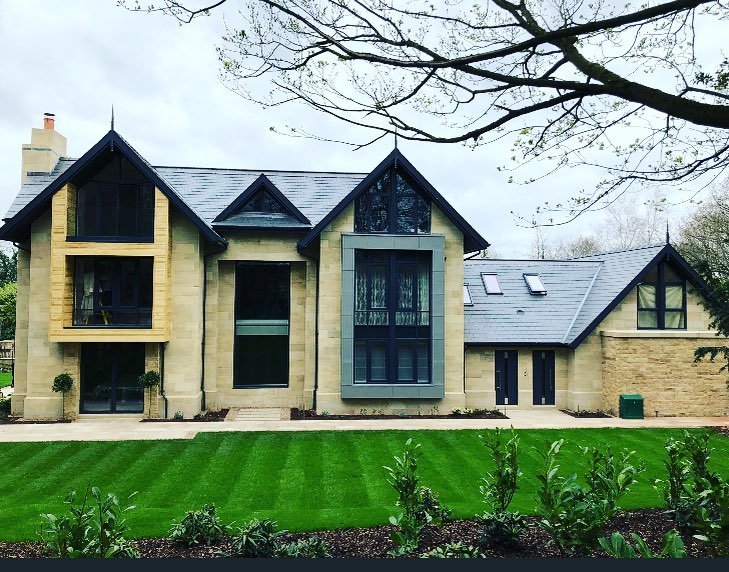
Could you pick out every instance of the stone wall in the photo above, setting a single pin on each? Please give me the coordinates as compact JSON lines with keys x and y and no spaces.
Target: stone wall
{"x":662,"y":370}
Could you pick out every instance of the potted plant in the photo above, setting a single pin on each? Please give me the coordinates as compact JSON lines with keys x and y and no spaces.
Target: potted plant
{"x":149,"y":380}
{"x":62,"y":384}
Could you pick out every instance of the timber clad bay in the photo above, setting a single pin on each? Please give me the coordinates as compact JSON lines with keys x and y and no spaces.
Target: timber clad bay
{"x":305,"y":481}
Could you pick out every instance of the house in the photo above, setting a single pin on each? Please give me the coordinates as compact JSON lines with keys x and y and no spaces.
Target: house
{"x":338,"y":291}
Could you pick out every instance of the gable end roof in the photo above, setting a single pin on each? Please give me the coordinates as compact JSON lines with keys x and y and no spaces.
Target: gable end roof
{"x":112,"y":140}
{"x":472,"y":240}
{"x":261,"y":183}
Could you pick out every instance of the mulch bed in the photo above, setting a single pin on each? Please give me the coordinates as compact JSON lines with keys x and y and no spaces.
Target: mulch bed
{"x":301,"y":414}
{"x":20,"y":421}
{"x":586,"y":414}
{"x":218,"y":415}
{"x":375,"y":542}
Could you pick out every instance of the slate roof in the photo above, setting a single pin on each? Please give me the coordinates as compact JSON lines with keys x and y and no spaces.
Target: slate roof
{"x":579,"y":292}
{"x":209,"y":191}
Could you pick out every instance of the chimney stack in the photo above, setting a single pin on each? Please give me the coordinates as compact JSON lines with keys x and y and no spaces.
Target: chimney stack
{"x":46,"y":147}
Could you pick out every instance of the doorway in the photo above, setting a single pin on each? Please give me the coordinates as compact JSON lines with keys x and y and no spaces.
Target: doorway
{"x":109,"y":378}
{"x":543,"y":377}
{"x":507,"y":385}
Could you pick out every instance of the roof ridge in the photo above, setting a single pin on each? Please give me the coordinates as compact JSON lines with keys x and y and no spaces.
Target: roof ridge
{"x":657,"y":245}
{"x":260,"y":171}
{"x":526,"y":260}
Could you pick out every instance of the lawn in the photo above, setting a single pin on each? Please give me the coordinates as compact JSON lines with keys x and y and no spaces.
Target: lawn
{"x":305,"y":481}
{"x":5,"y":378}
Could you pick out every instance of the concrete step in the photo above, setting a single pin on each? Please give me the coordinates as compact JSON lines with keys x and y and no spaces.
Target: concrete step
{"x":258,"y":414}
{"x":126,"y":417}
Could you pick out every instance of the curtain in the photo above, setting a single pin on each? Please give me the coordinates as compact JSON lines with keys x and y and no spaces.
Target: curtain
{"x":674,"y":296}
{"x":646,"y":296}
{"x":423,"y":294}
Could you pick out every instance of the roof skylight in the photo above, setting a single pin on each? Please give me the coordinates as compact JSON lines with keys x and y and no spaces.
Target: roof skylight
{"x":535,"y":284}
{"x":466,"y":296}
{"x":491,"y":283}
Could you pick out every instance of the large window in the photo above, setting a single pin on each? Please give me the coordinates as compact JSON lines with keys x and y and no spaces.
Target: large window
{"x":113,"y":291}
{"x":262,"y":302}
{"x":392,"y":317}
{"x":392,"y":205}
{"x":662,"y":300}
{"x":116,"y":203}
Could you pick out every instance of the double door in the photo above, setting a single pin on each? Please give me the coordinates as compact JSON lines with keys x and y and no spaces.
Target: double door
{"x":110,"y":377}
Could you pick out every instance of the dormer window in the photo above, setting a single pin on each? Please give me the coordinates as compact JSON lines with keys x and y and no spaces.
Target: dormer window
{"x":392,"y":205}
{"x":491,"y":283}
{"x":535,"y":284}
{"x":114,"y":202}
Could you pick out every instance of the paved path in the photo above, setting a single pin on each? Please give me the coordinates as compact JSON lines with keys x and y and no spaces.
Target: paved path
{"x":105,"y":429}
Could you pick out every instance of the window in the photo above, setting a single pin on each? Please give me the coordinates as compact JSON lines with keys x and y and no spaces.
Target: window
{"x":262,"y":202}
{"x":114,"y":291}
{"x":662,"y":300}
{"x":115,"y":202}
{"x":392,"y":205}
{"x":262,"y":301}
{"x":466,"y":296}
{"x":491,"y":283}
{"x":392,"y":316}
{"x":535,"y":284}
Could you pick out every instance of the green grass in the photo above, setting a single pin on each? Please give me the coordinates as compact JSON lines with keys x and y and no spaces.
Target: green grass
{"x":5,"y":378}
{"x":305,"y":481}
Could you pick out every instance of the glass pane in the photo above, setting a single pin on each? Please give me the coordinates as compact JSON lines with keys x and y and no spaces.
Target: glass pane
{"x":128,"y":172}
{"x":86,"y":210}
{"x":406,"y":214}
{"x":675,"y":319}
{"x":424,"y":292}
{"x":261,"y":360}
{"x":129,"y":366}
{"x":423,"y":362}
{"x":535,"y":284}
{"x":96,"y":378}
{"x":360,"y":361}
{"x":360,"y":214}
{"x":405,"y":275}
{"x":423,"y":215}
{"x":674,"y":296}
{"x":491,"y":283}
{"x":262,"y":292}
{"x":466,"y":296}
{"x":378,"y":213}
{"x":405,"y":361}
{"x":378,"y":318}
{"x":146,"y":211}
{"x":379,"y":361}
{"x":647,"y":319}
{"x":378,"y":286}
{"x":263,"y":202}
{"x":651,"y":275}
{"x":646,"y":296}
{"x":127,"y":283}
{"x":84,"y":291}
{"x":127,"y":210}
{"x":108,"y":214}
{"x":360,"y":289}
{"x":669,"y":275}
{"x":145,"y":283}
{"x":406,"y":318}
{"x":105,"y":283}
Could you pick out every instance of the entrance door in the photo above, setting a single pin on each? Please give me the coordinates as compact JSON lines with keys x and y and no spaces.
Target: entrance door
{"x":507,"y":388}
{"x":109,"y":378}
{"x":543,"y":377}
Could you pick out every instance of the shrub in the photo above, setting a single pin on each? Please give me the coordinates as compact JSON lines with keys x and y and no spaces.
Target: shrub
{"x":94,"y":528}
{"x":420,"y":505}
{"x":501,"y":528}
{"x":62,"y":383}
{"x":454,"y":550}
{"x":199,"y":527}
{"x":256,"y":539}
{"x":149,"y":380}
{"x":313,"y":547}
{"x":4,"y":407}
{"x":573,"y":515}
{"x":713,"y":517}
{"x":616,"y":546}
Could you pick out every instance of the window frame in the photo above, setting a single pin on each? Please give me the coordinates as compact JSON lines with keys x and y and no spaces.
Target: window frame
{"x":116,"y":293}
{"x":392,"y":334}
{"x":538,"y":291}
{"x":486,"y":286}
{"x":660,"y":309}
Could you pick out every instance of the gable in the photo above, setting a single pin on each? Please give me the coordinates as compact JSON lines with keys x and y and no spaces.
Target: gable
{"x":261,"y":205}
{"x":17,"y":227}
{"x":472,"y":241}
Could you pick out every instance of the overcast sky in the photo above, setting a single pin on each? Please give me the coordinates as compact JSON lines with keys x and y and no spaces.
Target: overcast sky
{"x":77,"y":58}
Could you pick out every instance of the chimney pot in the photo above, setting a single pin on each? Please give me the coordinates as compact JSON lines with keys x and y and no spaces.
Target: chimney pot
{"x":49,"y":119}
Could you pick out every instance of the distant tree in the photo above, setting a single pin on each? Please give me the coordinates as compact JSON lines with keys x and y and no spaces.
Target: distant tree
{"x":8,"y":296}
{"x":8,"y":267}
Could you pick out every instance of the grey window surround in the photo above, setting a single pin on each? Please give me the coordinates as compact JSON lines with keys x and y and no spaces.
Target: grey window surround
{"x":436,"y":388}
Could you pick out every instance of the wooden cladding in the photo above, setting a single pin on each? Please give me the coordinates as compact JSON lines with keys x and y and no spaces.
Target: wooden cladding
{"x":63,"y":253}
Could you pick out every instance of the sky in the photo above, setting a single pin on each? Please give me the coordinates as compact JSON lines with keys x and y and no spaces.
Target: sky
{"x":78,"y":58}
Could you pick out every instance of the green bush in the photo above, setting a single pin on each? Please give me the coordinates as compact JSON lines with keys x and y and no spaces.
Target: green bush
{"x":313,"y":547}
{"x":256,"y":539}
{"x":454,"y":550}
{"x":500,"y":527}
{"x":199,"y":527}
{"x":4,"y":407}
{"x":575,"y":516}
{"x":420,"y":505}
{"x":616,"y":546}
{"x":94,"y":528}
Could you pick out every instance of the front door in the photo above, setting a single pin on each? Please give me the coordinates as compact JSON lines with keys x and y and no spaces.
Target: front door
{"x":507,"y":389}
{"x":543,"y":377}
{"x":109,"y":378}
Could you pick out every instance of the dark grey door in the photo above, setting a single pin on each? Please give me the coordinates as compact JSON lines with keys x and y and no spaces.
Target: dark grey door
{"x":507,"y":388}
{"x":109,"y":378}
{"x":543,"y":377}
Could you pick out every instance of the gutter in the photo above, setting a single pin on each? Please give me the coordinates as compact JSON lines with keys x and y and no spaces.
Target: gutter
{"x":162,"y":374}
